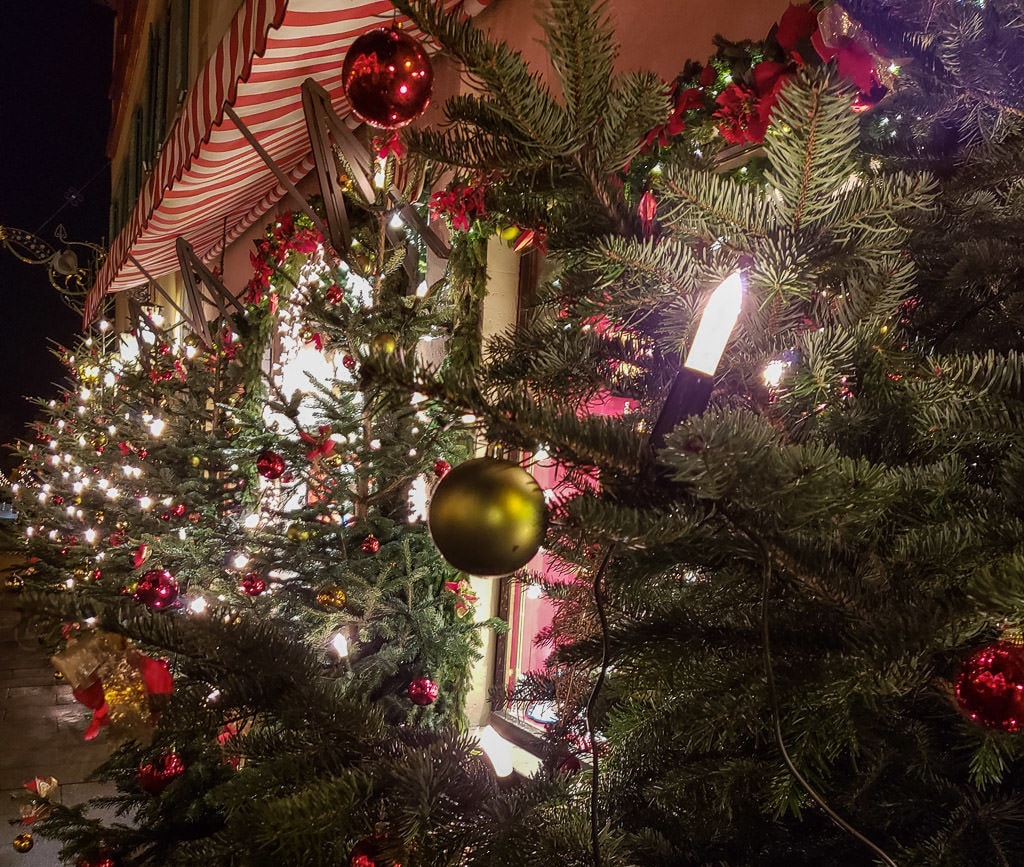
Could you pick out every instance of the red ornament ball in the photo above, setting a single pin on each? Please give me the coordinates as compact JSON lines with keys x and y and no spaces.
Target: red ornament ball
{"x":375,"y":852}
{"x":441,"y":468}
{"x":387,"y":77}
{"x":990,"y":686}
{"x":349,"y":362}
{"x":269,"y":464}
{"x":156,"y":777}
{"x":371,"y":545}
{"x":252,"y":584}
{"x":157,"y":589}
{"x":423,"y":691}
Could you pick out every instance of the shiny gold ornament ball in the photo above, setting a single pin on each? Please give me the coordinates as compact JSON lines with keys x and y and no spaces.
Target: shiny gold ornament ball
{"x":195,"y":460}
{"x":298,"y":533}
{"x":332,"y":598}
{"x":99,"y":441}
{"x":487,"y":517}
{"x":22,"y":843}
{"x":384,"y":343}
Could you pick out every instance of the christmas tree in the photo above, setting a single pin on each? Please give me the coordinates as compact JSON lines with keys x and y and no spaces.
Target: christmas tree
{"x":790,"y":582}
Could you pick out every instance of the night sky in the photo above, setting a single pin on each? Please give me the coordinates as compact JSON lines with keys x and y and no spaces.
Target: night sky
{"x":55,"y":59}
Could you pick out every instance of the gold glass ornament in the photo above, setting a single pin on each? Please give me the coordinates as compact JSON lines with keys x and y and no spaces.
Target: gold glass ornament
{"x":298,"y":533}
{"x":22,"y":843}
{"x":332,"y":598}
{"x":195,"y":460}
{"x":384,"y":343}
{"x":487,"y":517}
{"x":99,"y":441}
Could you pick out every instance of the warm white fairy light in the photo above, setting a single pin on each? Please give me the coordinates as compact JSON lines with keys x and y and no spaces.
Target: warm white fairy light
{"x":30,"y":531}
{"x":90,"y":536}
{"x":70,"y":583}
{"x":198,"y":605}
{"x":42,"y":497}
{"x":52,"y":535}
{"x":103,"y":325}
{"x":55,"y":460}
{"x":240,"y":561}
{"x":251,"y":521}
{"x":181,"y":533}
{"x":70,"y":511}
{"x":468,"y":418}
{"x":113,"y":494}
{"x":773,"y":372}
{"x":156,"y":427}
{"x":103,"y":484}
{"x":534,"y":591}
{"x":81,"y":410}
{"x":340,"y":644}
{"x":145,"y":503}
{"x":190,"y":351}
{"x":85,"y":394}
{"x":60,"y":422}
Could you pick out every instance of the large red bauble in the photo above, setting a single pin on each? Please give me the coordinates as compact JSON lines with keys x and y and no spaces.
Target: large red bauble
{"x":269,"y":464}
{"x":423,"y":691}
{"x":158,"y":589}
{"x":387,"y":77}
{"x":158,"y":776}
{"x":990,"y":686}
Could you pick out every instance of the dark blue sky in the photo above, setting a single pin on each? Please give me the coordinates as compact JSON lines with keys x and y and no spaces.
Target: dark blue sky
{"x":55,"y":58}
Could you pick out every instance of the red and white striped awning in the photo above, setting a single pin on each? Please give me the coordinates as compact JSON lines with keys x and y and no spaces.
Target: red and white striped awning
{"x":209,"y":185}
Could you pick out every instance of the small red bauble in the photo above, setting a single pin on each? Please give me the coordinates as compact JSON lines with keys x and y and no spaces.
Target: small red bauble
{"x":373,"y":852}
{"x":252,"y":585}
{"x":156,"y":777}
{"x":179,"y":510}
{"x":990,"y":686}
{"x":371,"y":545}
{"x":157,"y":589}
{"x":441,"y":468}
{"x":387,"y":77}
{"x":140,"y":555}
{"x":270,"y":464}
{"x":423,"y":691}
{"x":349,"y":362}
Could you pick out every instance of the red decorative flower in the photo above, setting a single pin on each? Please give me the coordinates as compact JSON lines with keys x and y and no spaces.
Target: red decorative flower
{"x":389,"y":147}
{"x":322,"y":445}
{"x":797,"y":24}
{"x":685,"y":100}
{"x":461,"y":203}
{"x":745,"y":110}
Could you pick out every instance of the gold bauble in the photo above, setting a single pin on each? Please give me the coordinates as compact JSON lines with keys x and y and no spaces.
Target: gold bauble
{"x":333,"y":459}
{"x":298,"y":533}
{"x":99,"y":441}
{"x":22,"y":843}
{"x":510,"y":233}
{"x":195,"y":460}
{"x":487,"y":517}
{"x":332,"y":598}
{"x":384,"y":343}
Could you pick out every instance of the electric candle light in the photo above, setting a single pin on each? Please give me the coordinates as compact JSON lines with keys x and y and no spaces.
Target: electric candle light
{"x":692,"y":386}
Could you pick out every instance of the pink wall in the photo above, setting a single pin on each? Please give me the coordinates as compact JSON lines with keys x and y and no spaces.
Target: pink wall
{"x":659,"y":35}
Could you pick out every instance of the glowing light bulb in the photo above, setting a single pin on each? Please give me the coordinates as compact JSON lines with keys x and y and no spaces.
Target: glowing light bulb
{"x":340,"y":644}
{"x":156,"y":427}
{"x":716,"y":324}
{"x":198,"y":606}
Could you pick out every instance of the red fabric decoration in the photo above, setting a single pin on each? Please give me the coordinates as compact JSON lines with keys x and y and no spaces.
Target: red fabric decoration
{"x":322,"y":445}
{"x":745,"y":110}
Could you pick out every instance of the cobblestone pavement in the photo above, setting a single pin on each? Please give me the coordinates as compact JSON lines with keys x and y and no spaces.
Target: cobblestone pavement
{"x":41,"y":728}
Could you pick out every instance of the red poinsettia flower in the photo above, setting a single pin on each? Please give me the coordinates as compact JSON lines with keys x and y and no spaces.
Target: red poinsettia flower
{"x":461,"y":203}
{"x":744,"y":110}
{"x":797,"y":24}
{"x":686,"y":99}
